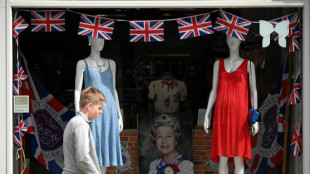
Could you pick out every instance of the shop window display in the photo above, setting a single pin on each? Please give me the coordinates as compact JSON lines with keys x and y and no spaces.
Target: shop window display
{"x":146,"y":71}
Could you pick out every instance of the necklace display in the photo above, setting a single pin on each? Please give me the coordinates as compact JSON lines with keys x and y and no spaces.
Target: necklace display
{"x":100,"y":66}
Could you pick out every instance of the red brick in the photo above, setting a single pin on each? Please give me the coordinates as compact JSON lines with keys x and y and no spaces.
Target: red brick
{"x":134,"y":149}
{"x":200,"y":148}
{"x":133,"y":139}
{"x":199,"y":138}
{"x":124,"y":138}
{"x":201,"y":142}
{"x":197,"y":168}
{"x":200,"y":133}
{"x":198,"y":163}
{"x":131,"y":134}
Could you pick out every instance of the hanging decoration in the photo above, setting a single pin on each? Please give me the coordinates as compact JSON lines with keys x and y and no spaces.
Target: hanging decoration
{"x":153,"y":31}
{"x":48,"y":21}
{"x":19,"y":131}
{"x":281,"y":28}
{"x":295,"y":43}
{"x":96,"y":27}
{"x":18,"y":79}
{"x":296,"y":143}
{"x":232,"y":25}
{"x":295,"y":96}
{"x":293,"y":20}
{"x":146,"y":31}
{"x":194,"y":26}
{"x":19,"y":24}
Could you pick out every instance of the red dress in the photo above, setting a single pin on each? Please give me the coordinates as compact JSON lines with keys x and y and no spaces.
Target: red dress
{"x":230,"y":134}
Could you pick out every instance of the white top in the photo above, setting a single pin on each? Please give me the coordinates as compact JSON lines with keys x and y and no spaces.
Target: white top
{"x":186,"y":166}
{"x":78,"y":145}
{"x":167,"y":95}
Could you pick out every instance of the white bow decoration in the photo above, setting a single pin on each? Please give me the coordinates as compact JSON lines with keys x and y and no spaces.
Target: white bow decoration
{"x":266,"y":28}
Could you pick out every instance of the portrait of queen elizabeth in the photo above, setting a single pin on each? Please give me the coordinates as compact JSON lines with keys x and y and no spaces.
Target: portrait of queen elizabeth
{"x":166,"y":136}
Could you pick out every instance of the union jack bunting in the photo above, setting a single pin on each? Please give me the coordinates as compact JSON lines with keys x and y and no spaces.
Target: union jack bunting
{"x":146,"y":31}
{"x":19,"y":24}
{"x":293,"y":20}
{"x":296,"y":91}
{"x":48,"y":21}
{"x":18,"y":79}
{"x":96,"y":27}
{"x":46,"y":121}
{"x":232,"y":25}
{"x":296,"y":143}
{"x":195,"y":26}
{"x":19,"y":131}
{"x":295,"y":42}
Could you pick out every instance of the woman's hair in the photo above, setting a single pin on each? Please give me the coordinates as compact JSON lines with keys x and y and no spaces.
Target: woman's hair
{"x":166,"y":120}
{"x":91,"y":95}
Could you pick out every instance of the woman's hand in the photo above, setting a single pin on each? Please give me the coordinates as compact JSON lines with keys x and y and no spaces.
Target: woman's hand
{"x":255,"y":128}
{"x":206,"y":124}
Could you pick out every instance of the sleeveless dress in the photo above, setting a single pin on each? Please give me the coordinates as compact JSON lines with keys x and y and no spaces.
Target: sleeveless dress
{"x":230,"y":134}
{"x":105,"y":129}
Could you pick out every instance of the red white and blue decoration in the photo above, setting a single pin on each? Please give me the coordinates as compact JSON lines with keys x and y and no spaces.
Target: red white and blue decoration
{"x":268,"y":149}
{"x":46,"y":123}
{"x":146,"y":31}
{"x":232,"y":25}
{"x":96,"y":27}
{"x":48,"y":21}
{"x":19,"y":131}
{"x":18,"y":79}
{"x":19,"y":24}
{"x":296,"y":37}
{"x":195,"y":26}
{"x":293,"y":20}
{"x":295,"y":96}
{"x":296,"y":143}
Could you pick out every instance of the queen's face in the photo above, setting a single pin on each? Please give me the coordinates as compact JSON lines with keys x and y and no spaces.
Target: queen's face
{"x":233,"y":43}
{"x":96,"y":43}
{"x":166,"y":140}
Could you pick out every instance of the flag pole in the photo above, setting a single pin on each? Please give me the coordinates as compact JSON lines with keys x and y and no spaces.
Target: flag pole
{"x":287,"y":114}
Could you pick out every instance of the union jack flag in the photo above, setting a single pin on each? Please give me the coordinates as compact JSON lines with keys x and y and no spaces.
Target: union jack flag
{"x":232,"y":25}
{"x":296,"y":143}
{"x":19,"y":24}
{"x":19,"y":131}
{"x":195,"y":26}
{"x":296,"y":91}
{"x":146,"y":31}
{"x":293,"y":20}
{"x":96,"y":27}
{"x":46,"y":121}
{"x":268,"y":150}
{"x":48,"y":21}
{"x":295,"y":42}
{"x":19,"y":77}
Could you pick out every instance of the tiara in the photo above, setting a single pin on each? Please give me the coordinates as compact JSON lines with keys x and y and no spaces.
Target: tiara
{"x":164,"y":118}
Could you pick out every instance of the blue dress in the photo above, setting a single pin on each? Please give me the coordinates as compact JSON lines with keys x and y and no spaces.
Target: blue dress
{"x":105,"y":128}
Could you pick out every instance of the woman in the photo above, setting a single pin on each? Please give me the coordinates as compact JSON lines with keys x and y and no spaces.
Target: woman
{"x":166,"y":134}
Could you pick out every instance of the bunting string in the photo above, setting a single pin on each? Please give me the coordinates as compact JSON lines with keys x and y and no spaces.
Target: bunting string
{"x":99,"y":26}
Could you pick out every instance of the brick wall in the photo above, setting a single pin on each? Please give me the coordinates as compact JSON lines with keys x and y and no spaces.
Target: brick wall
{"x":201,"y":151}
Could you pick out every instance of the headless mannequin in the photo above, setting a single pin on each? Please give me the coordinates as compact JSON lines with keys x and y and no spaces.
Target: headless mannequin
{"x":100,"y":64}
{"x":231,"y":64}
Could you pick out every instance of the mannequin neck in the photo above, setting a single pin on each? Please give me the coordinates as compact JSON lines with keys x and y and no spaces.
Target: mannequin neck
{"x":234,"y":55}
{"x":95,"y":54}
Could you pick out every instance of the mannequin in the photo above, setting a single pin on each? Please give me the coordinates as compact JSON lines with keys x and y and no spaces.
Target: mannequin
{"x":99,"y":64}
{"x":231,"y":64}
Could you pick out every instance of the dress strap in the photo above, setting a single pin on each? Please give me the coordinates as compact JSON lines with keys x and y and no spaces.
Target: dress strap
{"x":109,"y":63}
{"x":85,"y":62}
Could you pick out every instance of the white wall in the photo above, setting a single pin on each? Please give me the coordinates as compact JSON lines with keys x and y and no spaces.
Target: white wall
{"x":3,"y":87}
